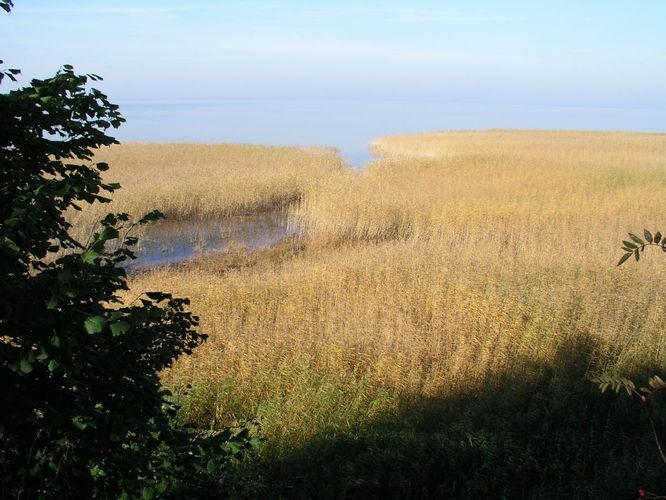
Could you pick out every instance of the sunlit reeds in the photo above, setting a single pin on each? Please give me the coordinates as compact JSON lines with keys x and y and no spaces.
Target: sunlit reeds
{"x":504,"y":191}
{"x":427,"y":278}
{"x":200,"y":181}
{"x":443,"y":274}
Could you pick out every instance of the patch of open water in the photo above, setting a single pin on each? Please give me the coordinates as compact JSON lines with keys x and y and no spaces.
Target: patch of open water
{"x":170,"y":242}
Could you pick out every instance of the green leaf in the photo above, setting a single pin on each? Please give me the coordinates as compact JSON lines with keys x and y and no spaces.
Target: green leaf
{"x":90,"y":255}
{"x":53,"y":365}
{"x":10,"y":246}
{"x":657,"y":237}
{"x":119,"y":328}
{"x":624,"y":258}
{"x":637,"y":254}
{"x":629,"y":244}
{"x":108,"y":233}
{"x":79,"y":422}
{"x":95,"y":250}
{"x":648,"y":235}
{"x":25,"y":366}
{"x":53,"y":302}
{"x":636,"y":239}
{"x":94,"y":324}
{"x":162,"y":486}
{"x":147,"y":493}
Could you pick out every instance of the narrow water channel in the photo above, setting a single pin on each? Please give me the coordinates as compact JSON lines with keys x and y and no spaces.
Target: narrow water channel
{"x":170,"y":242}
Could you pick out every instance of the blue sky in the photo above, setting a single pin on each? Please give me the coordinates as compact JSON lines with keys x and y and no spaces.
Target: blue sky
{"x":600,"y":53}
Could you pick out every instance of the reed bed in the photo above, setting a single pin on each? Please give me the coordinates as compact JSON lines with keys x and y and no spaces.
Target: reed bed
{"x":495,"y":189}
{"x":406,"y":316}
{"x":200,"y":181}
{"x":485,"y":273}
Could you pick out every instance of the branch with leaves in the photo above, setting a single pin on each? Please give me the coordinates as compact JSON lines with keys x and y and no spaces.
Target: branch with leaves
{"x":636,"y":245}
{"x":9,"y":73}
{"x":643,"y":394}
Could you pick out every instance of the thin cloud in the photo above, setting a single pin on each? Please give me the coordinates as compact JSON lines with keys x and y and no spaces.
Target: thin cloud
{"x":386,"y":14}
{"x":370,"y":13}
{"x":129,"y":10}
{"x":408,"y":14}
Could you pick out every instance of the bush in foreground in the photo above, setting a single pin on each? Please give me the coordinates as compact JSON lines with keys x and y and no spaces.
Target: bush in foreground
{"x":83,"y":412}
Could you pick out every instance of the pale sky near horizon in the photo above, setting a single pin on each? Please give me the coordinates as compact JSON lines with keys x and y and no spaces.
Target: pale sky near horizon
{"x":568,"y":53}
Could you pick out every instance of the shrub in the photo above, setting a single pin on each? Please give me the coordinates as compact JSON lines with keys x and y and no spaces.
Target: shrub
{"x":83,"y":412}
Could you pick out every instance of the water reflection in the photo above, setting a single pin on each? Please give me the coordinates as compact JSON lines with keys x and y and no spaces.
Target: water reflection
{"x":170,"y":242}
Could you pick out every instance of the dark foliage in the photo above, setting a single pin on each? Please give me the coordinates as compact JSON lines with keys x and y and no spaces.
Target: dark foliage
{"x":635,"y":245}
{"x":82,"y":410}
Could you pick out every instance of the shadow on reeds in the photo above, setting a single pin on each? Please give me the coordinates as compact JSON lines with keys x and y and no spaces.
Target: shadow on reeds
{"x":546,"y":432}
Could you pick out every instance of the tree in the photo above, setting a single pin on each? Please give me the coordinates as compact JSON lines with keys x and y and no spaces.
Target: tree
{"x":83,"y":412}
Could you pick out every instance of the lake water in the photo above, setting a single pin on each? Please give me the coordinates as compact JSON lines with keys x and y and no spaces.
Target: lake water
{"x":350,"y":125}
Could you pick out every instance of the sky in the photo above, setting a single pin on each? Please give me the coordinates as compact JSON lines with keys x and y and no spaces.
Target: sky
{"x":606,"y":53}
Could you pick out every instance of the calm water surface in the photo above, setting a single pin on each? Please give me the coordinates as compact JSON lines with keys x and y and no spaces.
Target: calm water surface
{"x":349,"y":126}
{"x":168,"y":242}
